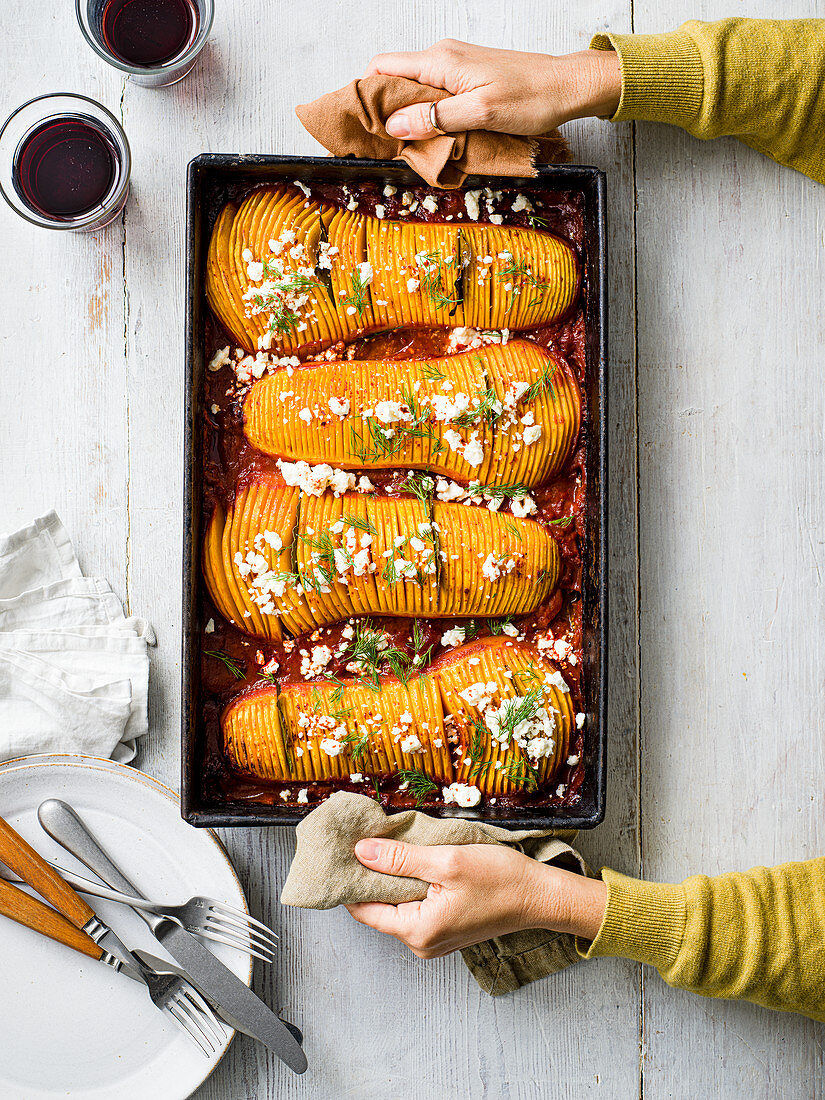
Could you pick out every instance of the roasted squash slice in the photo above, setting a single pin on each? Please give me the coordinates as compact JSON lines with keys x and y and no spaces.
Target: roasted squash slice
{"x":505,"y":414}
{"x":494,"y":714}
{"x":288,"y":272}
{"x":512,"y":712}
{"x":283,"y":559}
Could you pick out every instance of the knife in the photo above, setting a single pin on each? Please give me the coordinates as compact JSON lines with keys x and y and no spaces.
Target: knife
{"x":233,"y":998}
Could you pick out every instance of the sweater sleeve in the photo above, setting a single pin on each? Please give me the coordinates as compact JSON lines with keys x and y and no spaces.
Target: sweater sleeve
{"x":760,"y":80}
{"x":757,"y":935}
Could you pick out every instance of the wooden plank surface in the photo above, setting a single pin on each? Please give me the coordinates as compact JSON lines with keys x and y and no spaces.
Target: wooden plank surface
{"x":716,"y":712}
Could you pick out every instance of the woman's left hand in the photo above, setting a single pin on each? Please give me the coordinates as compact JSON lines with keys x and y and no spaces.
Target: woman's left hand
{"x":477,"y":891}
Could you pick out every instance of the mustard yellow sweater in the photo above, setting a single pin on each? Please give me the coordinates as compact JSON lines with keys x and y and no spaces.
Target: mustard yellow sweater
{"x":760,"y":80}
{"x":758,"y":935}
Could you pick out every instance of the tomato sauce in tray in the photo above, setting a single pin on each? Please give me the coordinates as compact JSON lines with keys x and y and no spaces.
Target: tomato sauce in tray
{"x":232,"y":662}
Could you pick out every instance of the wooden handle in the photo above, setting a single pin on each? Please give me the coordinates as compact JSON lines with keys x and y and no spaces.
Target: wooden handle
{"x":21,"y":858}
{"x":17,"y":905}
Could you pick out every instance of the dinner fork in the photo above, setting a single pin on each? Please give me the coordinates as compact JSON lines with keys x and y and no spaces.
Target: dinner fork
{"x":206,"y":917}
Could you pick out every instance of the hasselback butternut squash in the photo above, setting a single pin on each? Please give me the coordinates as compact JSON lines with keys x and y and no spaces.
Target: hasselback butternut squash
{"x":504,"y":414}
{"x":281,"y":559}
{"x":494,"y":714}
{"x":288,"y":272}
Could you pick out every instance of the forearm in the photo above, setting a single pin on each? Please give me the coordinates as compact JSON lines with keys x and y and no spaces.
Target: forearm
{"x":760,"y":80}
{"x":758,"y":935}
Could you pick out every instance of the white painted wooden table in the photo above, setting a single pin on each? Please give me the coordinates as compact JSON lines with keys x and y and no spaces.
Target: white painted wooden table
{"x":717,"y":534}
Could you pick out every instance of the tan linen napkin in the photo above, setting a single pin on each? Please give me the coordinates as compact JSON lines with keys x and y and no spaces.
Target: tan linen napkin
{"x":350,"y":123}
{"x":325,"y":873}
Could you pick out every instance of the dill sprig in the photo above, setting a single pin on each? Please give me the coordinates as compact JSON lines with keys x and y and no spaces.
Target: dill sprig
{"x":360,"y":523}
{"x":418,"y":784}
{"x":358,"y":296}
{"x":498,"y":492}
{"x":357,"y":745}
{"x":419,"y":485}
{"x":518,"y":710}
{"x":563,"y":521}
{"x":514,"y":531}
{"x":496,"y":626}
{"x":520,"y":273}
{"x":432,"y":275}
{"x":544,"y":382}
{"x":537,"y":223}
{"x":522,"y":773}
{"x":282,"y":316}
{"x":231,"y":663}
{"x":487,"y":408}
{"x":431,"y":373}
{"x":270,"y":677}
{"x":379,"y":445}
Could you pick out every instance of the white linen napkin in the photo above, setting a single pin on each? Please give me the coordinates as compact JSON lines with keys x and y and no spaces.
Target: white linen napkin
{"x":74,"y":670}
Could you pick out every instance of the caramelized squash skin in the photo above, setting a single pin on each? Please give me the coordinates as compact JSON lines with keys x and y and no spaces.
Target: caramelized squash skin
{"x":433,"y":724}
{"x":328,"y":412}
{"x":515,"y":279}
{"x":283,"y":560}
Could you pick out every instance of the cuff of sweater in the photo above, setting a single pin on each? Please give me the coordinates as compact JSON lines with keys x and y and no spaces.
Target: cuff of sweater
{"x":662,"y":76}
{"x":644,"y":921}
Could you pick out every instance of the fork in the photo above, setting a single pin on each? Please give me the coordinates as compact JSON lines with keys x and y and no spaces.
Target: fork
{"x":179,"y":999}
{"x":206,"y":917}
{"x":172,"y":995}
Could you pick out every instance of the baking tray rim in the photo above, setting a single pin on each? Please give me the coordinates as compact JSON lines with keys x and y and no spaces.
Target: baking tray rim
{"x":590,"y":179}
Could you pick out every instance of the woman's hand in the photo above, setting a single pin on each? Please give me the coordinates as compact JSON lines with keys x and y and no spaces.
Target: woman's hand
{"x":514,"y":93}
{"x":477,"y":891}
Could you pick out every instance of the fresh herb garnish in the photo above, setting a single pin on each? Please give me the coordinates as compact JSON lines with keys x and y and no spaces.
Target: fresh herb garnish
{"x":520,"y":273}
{"x":231,"y":663}
{"x":432,"y":276}
{"x":360,"y":523}
{"x":487,"y":409}
{"x":357,"y":298}
{"x":564,"y":521}
{"x":418,"y":784}
{"x":382,"y":443}
{"x":497,"y":492}
{"x":420,"y":485}
{"x":496,"y":626}
{"x":523,"y":774}
{"x":544,"y":382}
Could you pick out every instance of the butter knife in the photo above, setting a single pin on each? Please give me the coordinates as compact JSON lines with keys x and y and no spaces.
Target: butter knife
{"x":232,"y":997}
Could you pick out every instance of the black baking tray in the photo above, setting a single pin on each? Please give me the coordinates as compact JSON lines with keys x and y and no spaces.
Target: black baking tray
{"x":216,"y":178}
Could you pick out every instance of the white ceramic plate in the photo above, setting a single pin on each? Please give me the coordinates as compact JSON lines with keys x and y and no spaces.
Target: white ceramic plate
{"x":70,"y":1026}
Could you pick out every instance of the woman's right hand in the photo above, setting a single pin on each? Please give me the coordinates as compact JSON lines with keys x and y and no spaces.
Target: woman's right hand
{"x":503,"y":90}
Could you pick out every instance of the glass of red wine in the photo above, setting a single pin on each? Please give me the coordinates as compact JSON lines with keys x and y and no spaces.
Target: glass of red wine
{"x":156,"y":42}
{"x":64,"y":163}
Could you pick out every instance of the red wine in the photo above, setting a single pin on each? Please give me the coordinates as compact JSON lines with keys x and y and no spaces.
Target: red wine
{"x":65,"y":167}
{"x":149,"y":32}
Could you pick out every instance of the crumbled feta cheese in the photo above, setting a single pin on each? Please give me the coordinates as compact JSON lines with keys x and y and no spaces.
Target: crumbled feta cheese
{"x":339,"y":406}
{"x":303,"y":795}
{"x":580,"y":720}
{"x":521,"y":203}
{"x":453,"y":637}
{"x":219,"y":359}
{"x":430,"y":204}
{"x":411,"y":744}
{"x":462,"y":794}
{"x":210,"y":627}
{"x":471,"y":203}
{"x":356,"y":777}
